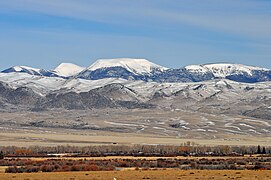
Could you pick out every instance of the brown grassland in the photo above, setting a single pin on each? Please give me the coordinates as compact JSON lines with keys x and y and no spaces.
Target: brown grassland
{"x":142,"y":174}
{"x":132,"y":173}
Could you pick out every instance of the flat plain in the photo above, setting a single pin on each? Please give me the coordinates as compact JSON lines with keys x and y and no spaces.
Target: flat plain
{"x":122,"y":126}
{"x":142,"y":174}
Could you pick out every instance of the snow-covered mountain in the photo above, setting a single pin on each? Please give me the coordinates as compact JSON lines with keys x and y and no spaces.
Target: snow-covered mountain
{"x":29,"y":70}
{"x":222,"y":70}
{"x":26,"y":92}
{"x":63,"y":70}
{"x":213,"y":89}
{"x":141,"y":69}
{"x":24,"y":69}
{"x":144,"y":70}
{"x":67,"y":69}
{"x":125,"y":68}
{"x":236,"y":72}
{"x":136,"y":66}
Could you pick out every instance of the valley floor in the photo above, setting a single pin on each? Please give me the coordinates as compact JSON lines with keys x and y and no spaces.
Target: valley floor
{"x":144,"y":174}
{"x":120,"y":126}
{"x":47,"y":139}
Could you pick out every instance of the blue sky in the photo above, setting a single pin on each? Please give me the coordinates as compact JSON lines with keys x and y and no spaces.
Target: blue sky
{"x":172,"y":33}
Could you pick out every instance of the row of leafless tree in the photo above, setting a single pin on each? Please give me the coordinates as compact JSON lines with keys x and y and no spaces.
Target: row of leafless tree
{"x":134,"y":150}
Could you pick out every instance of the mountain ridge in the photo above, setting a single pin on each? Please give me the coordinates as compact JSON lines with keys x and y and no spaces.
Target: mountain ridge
{"x":142,"y":69}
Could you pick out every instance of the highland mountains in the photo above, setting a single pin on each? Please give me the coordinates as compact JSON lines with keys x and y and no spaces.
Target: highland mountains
{"x":139,"y":83}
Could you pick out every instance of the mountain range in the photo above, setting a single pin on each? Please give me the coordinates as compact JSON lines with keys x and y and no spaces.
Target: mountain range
{"x":221,"y":88}
{"x":142,"y":69}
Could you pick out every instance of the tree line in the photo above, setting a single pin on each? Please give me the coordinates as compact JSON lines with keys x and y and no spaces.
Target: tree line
{"x":185,"y":149}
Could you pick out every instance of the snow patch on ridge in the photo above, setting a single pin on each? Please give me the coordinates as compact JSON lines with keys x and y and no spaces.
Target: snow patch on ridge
{"x":197,"y":68}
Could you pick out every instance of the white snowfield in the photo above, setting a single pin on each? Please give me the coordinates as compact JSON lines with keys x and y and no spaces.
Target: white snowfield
{"x":222,"y":70}
{"x":67,"y":69}
{"x":137,"y":66}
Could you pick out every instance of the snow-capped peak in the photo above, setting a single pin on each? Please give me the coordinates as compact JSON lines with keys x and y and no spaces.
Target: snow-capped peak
{"x":222,"y":70}
{"x":23,"y":69}
{"x":137,"y":66}
{"x":225,"y":69}
{"x":67,"y":69}
{"x":19,"y":68}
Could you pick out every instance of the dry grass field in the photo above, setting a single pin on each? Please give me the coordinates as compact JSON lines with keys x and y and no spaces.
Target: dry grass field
{"x":133,"y":173}
{"x":19,"y":138}
{"x":108,"y":126}
{"x":142,"y":174}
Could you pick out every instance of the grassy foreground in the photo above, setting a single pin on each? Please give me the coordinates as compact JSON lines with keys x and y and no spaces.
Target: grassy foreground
{"x":142,"y":174}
